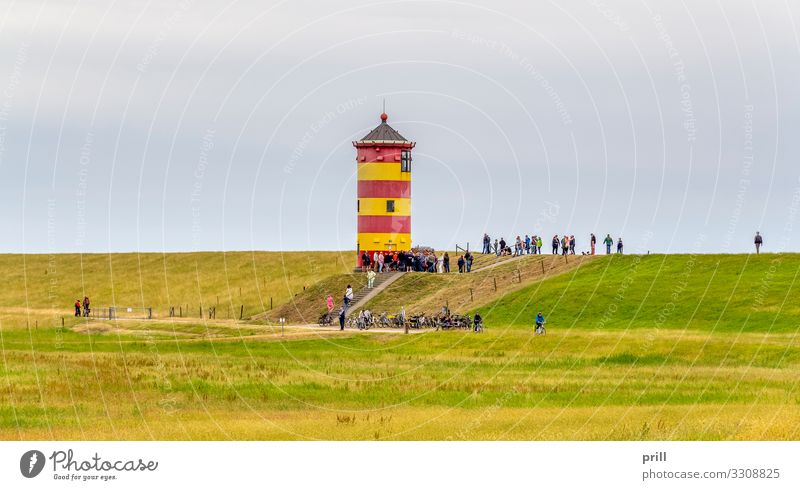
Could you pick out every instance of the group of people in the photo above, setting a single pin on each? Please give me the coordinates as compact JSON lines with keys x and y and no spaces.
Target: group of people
{"x":422,"y":260}
{"x":84,"y":304}
{"x":532,"y":244}
{"x":527,"y":246}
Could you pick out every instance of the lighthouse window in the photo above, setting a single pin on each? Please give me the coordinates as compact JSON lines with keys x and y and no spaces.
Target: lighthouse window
{"x":405,"y":161}
{"x":390,"y":206}
{"x":358,"y":205}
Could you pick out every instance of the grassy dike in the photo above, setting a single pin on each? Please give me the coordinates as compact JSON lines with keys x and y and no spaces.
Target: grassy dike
{"x":694,"y":347}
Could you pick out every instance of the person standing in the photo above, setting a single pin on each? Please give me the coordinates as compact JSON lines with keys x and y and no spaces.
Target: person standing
{"x":364,"y":261}
{"x":572,"y":244}
{"x":460,"y":264}
{"x":468,"y":261}
{"x":77,"y":307}
{"x":446,"y":262}
{"x":608,"y":241}
{"x":539,"y":245}
{"x":758,"y":242}
{"x":330,"y":303}
{"x":527,"y":245}
{"x":370,"y":278}
{"x":348,"y":296}
{"x":487,"y":243}
{"x":619,"y":245}
{"x":555,"y":244}
{"x":381,"y":260}
{"x":502,"y":245}
{"x":342,"y":313}
{"x":593,"y":241}
{"x":86,"y":309}
{"x":496,"y":247}
{"x":375,"y":260}
{"x":440,"y":264}
{"x":564,"y":245}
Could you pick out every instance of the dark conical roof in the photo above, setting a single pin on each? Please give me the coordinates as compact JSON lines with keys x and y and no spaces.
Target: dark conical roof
{"x":383,"y":132}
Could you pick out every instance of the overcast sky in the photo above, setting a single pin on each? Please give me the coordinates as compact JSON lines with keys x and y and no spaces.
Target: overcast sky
{"x":215,"y":125}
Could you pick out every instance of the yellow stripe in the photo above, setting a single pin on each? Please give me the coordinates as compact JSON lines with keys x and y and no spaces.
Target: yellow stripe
{"x":381,"y":241}
{"x":381,"y":171}
{"x":376,"y":206}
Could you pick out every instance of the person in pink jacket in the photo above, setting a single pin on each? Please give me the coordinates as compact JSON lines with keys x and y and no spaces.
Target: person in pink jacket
{"x":330,"y":303}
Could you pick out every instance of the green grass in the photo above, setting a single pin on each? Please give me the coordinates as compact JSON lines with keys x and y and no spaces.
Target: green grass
{"x":723,"y":363}
{"x":725,"y":293}
{"x":44,"y":287}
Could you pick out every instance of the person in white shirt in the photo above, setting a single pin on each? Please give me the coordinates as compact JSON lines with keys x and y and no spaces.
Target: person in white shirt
{"x":348,"y":296}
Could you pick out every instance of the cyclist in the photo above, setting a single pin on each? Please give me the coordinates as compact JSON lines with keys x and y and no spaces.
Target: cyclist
{"x":539,"y":322}
{"x":478,"y":322}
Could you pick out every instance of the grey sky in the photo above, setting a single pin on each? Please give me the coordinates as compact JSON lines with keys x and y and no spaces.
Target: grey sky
{"x":200,"y":125}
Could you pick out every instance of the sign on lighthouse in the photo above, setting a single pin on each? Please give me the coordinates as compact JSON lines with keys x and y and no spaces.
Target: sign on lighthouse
{"x":384,"y":190}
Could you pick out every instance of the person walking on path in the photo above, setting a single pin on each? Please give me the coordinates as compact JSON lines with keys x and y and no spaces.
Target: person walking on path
{"x":593,"y":241}
{"x":619,"y":245}
{"x":539,"y":245}
{"x":77,"y":307}
{"x":330,"y":303}
{"x":370,"y":278}
{"x":608,"y":241}
{"x":758,"y":241}
{"x":487,"y":244}
{"x":86,"y":309}
{"x":348,"y":296}
{"x":555,"y":244}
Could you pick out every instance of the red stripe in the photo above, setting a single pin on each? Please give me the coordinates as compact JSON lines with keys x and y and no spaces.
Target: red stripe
{"x":384,"y":188}
{"x":384,"y":224}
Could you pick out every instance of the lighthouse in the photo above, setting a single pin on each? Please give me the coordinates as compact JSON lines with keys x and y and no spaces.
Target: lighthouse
{"x":384,"y":190}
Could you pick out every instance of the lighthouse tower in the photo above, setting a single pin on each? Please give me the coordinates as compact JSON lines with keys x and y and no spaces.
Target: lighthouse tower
{"x":384,"y":190}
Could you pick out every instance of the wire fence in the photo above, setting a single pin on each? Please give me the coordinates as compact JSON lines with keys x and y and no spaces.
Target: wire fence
{"x":122,"y":313}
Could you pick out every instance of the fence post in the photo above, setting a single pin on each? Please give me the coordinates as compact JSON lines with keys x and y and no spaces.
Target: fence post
{"x":201,"y":311}
{"x":241,"y":312}
{"x":542,"y":262}
{"x":62,"y":321}
{"x":470,"y":294}
{"x":270,"y":302}
{"x":519,"y":279}
{"x":150,"y":313}
{"x":180,"y":310}
{"x":495,"y":283}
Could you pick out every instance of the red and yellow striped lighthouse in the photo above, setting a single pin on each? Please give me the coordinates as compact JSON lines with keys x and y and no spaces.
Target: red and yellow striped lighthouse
{"x":384,"y":190}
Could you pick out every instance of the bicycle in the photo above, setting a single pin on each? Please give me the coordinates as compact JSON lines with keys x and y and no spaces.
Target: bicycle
{"x":540,"y":330}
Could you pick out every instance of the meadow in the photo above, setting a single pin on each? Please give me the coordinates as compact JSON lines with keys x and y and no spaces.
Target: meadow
{"x":638,"y":347}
